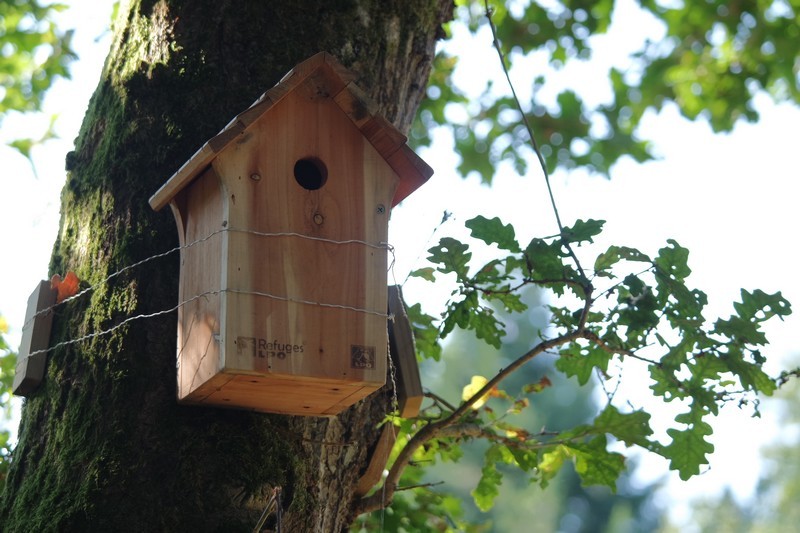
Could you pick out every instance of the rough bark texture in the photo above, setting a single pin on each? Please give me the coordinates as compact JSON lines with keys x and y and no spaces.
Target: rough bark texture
{"x":103,"y":444}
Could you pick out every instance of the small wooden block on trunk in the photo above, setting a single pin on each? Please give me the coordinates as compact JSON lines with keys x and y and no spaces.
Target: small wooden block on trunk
{"x":35,"y":338}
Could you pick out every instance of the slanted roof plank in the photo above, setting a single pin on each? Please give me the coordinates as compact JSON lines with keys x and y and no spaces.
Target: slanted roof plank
{"x":384,"y":137}
{"x":188,"y":171}
{"x":413,"y":170}
{"x":356,"y":104}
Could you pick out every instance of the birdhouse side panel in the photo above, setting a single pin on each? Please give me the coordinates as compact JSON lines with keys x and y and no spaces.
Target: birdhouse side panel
{"x":200,"y":318}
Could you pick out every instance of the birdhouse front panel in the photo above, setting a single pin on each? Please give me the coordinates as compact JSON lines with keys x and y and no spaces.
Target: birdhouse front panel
{"x":306,"y":261}
{"x":285,"y":289}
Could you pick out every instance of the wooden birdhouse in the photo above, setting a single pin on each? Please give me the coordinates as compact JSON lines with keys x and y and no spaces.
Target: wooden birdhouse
{"x":283,"y":218}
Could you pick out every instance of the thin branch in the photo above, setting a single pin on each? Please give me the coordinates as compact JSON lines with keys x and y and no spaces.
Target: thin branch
{"x":382,"y":498}
{"x":591,"y":336}
{"x":587,"y":306}
{"x":420,"y":486}
{"x":439,"y":400}
{"x":456,"y":431}
{"x":445,"y":217}
{"x":607,"y":292}
{"x":524,"y":282}
{"x":611,"y":394}
{"x":499,"y":48}
{"x":534,"y":144}
{"x":784,"y":378}
{"x":510,"y":369}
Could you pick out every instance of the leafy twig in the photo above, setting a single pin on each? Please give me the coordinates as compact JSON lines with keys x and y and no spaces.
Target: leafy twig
{"x":607,"y":292}
{"x":439,"y":400}
{"x":591,"y":336}
{"x":382,"y":498}
{"x":420,"y":486}
{"x":785,"y":376}
{"x":534,"y":144}
{"x":447,"y":215}
{"x":526,"y":281}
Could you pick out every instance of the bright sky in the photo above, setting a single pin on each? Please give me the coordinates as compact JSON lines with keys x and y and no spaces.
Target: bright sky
{"x":731,"y":199}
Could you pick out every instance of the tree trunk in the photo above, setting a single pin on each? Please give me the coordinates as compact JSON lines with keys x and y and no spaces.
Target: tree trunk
{"x":103,"y":444}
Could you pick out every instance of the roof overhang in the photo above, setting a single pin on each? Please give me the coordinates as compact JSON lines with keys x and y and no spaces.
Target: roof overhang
{"x":389,"y":142}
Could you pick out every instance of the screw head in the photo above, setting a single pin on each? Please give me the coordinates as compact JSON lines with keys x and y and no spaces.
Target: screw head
{"x":318,"y":219}
{"x":381,"y":209}
{"x":255,"y":177}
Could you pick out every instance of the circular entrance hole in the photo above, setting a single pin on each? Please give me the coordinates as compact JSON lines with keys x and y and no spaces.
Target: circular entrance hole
{"x":310,"y":173}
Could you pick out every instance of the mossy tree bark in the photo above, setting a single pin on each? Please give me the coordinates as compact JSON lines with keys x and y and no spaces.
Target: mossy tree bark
{"x":103,"y":444}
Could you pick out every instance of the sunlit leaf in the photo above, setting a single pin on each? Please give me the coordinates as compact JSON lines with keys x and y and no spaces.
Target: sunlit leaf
{"x":596,"y":465}
{"x":552,"y":462}
{"x":475,"y":385}
{"x":489,"y":485}
{"x":673,"y":259}
{"x":426,"y":273}
{"x":426,"y":334}
{"x":580,"y":361}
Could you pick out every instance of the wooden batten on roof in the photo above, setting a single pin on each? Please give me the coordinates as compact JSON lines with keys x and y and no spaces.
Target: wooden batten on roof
{"x":331,"y":80}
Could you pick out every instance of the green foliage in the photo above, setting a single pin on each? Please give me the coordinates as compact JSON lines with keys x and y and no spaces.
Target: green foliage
{"x":593,"y":462}
{"x":34,"y":55}
{"x":596,"y":464}
{"x":536,"y":397}
{"x":427,"y":511}
{"x":424,"y":509}
{"x":488,"y":486}
{"x":688,"y":449}
{"x":773,"y":508}
{"x":494,"y":232}
{"x":583,"y":231}
{"x":426,"y":336}
{"x":8,"y":362}
{"x":579,"y":360}
{"x":711,"y":63}
{"x":647,"y":314}
{"x":631,"y":428}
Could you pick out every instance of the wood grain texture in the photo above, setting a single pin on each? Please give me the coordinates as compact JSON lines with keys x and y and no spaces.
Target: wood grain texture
{"x":404,"y":356}
{"x":200,"y":320}
{"x":295,"y":324}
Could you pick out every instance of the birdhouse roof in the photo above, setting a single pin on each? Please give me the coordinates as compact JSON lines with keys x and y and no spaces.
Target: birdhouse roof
{"x":338,"y":82}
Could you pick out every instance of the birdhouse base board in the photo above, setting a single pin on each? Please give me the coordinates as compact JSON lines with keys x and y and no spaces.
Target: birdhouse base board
{"x":288,"y":395}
